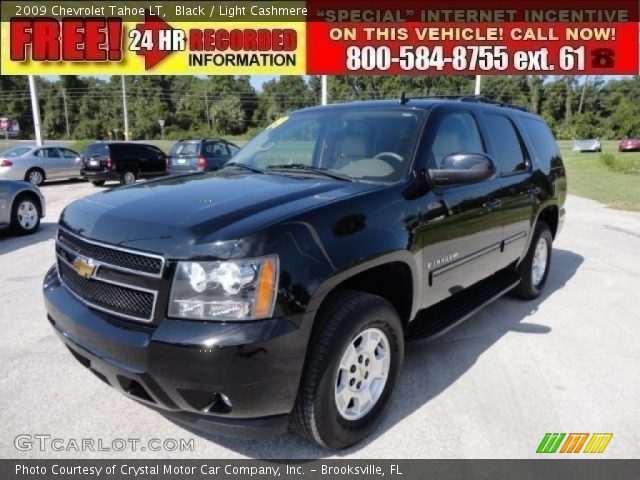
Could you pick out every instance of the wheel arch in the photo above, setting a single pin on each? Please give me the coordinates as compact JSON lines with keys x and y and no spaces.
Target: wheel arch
{"x":393,"y":276}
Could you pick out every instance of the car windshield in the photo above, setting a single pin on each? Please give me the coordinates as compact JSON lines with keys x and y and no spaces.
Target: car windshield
{"x":14,"y":152}
{"x":186,"y":148}
{"x":360,"y":143}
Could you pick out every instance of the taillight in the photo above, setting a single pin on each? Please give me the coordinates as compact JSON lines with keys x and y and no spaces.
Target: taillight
{"x":166,"y":163}
{"x":109,"y":162}
{"x":6,"y":163}
{"x":202,"y":163}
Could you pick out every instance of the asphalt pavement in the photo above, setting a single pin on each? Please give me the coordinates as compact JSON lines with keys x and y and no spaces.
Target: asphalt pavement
{"x":491,"y":388}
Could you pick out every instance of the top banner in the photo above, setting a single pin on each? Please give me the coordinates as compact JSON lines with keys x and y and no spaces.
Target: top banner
{"x":319,"y":37}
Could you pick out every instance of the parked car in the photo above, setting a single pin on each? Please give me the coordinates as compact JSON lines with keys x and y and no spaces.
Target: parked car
{"x":629,"y":145}
{"x":200,"y":155}
{"x":591,"y":145}
{"x":279,"y":290}
{"x":22,"y":205}
{"x":39,"y":164}
{"x":124,"y":162}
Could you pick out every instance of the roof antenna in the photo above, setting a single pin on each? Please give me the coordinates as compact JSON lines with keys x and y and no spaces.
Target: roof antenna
{"x":403,"y":99}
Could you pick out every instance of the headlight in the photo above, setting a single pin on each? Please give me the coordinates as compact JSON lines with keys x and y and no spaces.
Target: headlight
{"x":232,"y":290}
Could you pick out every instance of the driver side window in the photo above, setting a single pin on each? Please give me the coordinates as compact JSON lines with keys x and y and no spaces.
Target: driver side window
{"x":457,"y":133}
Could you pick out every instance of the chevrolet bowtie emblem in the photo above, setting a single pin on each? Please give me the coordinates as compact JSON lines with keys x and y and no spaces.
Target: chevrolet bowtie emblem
{"x":84,"y":267}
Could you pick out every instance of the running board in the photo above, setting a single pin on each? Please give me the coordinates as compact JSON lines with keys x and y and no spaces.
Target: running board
{"x":449,"y":313}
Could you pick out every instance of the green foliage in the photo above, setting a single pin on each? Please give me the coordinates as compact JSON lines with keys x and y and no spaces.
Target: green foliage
{"x":227,"y":116}
{"x":621,"y":164}
{"x":80,"y":145}
{"x":196,"y":106}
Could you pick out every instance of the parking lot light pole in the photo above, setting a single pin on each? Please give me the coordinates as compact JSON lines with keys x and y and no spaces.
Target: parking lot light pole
{"x":35,"y":109}
{"x":324,"y":95}
{"x":478,"y":89}
{"x":125,"y":111}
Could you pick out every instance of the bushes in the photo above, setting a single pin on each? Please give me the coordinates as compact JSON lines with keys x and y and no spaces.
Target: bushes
{"x":80,"y":145}
{"x":628,"y":165}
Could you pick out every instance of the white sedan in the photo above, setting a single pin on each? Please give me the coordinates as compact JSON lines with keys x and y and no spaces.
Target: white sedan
{"x":39,"y":164}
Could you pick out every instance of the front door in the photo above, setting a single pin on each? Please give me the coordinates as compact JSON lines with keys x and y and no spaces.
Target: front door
{"x":459,"y":227}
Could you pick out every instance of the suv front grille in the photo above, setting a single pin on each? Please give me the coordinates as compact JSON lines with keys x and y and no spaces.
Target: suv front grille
{"x":117,"y":258}
{"x":93,"y":281}
{"x":116,"y":299}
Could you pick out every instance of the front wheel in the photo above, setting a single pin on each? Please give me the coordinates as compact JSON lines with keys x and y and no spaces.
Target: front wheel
{"x":353,"y":366}
{"x":534,"y":269}
{"x":25,"y":216}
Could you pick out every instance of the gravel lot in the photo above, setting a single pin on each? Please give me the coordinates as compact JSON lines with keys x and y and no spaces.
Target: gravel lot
{"x":489,"y":389}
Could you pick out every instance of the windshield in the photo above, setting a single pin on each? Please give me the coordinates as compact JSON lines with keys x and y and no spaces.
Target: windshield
{"x":14,"y":152}
{"x":186,"y":148}
{"x":374,"y":144}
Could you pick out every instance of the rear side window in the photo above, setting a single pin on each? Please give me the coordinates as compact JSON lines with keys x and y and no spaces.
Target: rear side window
{"x":544,"y":145}
{"x":48,"y":153}
{"x":155,"y":151}
{"x":68,"y":153}
{"x":216,"y":149}
{"x":457,"y":133}
{"x":506,"y":143}
{"x":96,"y":149}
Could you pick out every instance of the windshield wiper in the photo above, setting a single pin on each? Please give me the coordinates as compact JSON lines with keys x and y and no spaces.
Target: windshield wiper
{"x":309,"y":168}
{"x":242,"y":165}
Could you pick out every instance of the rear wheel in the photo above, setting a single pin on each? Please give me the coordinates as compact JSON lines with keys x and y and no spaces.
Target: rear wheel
{"x":128,"y":177}
{"x":534,"y":269}
{"x":354,"y":362}
{"x":25,"y":215}
{"x":97,"y":183}
{"x":35,"y":176}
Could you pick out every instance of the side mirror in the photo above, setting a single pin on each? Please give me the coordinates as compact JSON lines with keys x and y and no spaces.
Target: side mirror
{"x":463,"y":168}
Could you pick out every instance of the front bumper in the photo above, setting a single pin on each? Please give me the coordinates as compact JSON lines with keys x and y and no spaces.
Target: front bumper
{"x":180,"y":368}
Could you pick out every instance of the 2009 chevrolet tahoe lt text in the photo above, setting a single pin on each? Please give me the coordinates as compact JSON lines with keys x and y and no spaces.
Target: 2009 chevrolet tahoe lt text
{"x":278,"y":292}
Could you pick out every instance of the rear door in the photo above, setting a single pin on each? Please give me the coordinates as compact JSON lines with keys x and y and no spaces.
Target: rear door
{"x":460,"y":230}
{"x":216,"y":153}
{"x":54,"y":164}
{"x":518,"y":190}
{"x":72,"y":162}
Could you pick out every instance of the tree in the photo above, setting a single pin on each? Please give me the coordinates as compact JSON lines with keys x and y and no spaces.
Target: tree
{"x":228,"y":117}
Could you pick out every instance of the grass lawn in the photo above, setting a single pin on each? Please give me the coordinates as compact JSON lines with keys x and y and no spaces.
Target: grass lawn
{"x":589,"y":177}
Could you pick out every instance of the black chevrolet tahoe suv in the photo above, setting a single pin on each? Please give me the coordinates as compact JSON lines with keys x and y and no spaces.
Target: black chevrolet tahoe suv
{"x":123,"y":162}
{"x":278,"y":292}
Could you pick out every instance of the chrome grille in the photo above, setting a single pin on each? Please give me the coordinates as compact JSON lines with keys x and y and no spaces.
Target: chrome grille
{"x":123,"y":301}
{"x":100,"y":290}
{"x":116,"y":257}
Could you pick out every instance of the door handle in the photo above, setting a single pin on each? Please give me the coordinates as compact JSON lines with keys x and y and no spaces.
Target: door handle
{"x":533,"y":191}
{"x":491,"y":204}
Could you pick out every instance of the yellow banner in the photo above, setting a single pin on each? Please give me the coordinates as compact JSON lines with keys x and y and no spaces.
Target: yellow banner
{"x":174,"y":40}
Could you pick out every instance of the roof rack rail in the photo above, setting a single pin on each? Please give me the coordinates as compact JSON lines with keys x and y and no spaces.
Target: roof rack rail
{"x":462,"y":98}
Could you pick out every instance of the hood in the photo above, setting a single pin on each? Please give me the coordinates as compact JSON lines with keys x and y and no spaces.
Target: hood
{"x":198,"y":214}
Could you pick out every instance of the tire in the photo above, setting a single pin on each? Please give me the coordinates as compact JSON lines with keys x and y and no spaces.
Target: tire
{"x":532,"y":283}
{"x":340,"y":323}
{"x":97,"y":183}
{"x":128,"y":177}
{"x":35,"y":176}
{"x":25,"y":215}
